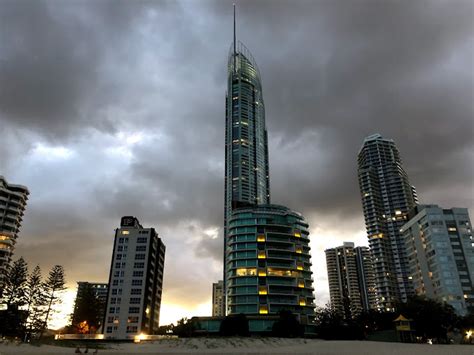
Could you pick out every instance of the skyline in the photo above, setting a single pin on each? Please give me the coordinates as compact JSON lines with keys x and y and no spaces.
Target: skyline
{"x":127,"y":137}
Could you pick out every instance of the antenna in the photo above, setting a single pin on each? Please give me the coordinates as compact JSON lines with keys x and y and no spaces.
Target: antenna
{"x":235,"y":44}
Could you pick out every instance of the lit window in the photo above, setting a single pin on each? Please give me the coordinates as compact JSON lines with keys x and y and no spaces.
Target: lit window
{"x":125,"y":232}
{"x":301,"y":284}
{"x":262,"y":272}
{"x":262,"y":290}
{"x":261,"y":254}
{"x":263,"y":310}
{"x":299,"y":250}
{"x":261,"y":238}
{"x":246,"y":271}
{"x":302,"y":302}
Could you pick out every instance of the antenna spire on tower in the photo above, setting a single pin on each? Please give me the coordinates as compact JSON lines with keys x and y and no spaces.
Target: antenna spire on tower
{"x":235,"y":45}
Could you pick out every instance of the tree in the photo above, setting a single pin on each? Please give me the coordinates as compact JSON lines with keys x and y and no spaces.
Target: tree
{"x":15,"y":284}
{"x":331,"y":325}
{"x":431,"y":319}
{"x":88,"y":311}
{"x":287,"y":326}
{"x":235,"y":325}
{"x":53,"y":287}
{"x":35,"y":300}
{"x":184,"y":328}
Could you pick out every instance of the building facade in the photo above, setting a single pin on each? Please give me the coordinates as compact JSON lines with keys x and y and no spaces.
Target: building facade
{"x":387,"y":196}
{"x":99,"y":290}
{"x":366,"y":277}
{"x":269,"y":263}
{"x":247,"y":179}
{"x":218,"y":306}
{"x":351,"y":280}
{"x":12,"y":207}
{"x":135,"y":281}
{"x":440,"y":250}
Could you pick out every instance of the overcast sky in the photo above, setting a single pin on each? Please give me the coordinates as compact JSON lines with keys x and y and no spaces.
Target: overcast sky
{"x":112,"y":108}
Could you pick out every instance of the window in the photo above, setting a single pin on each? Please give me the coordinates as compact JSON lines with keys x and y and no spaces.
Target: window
{"x":139,"y":256}
{"x":113,"y":300}
{"x":142,"y":240}
{"x":120,"y":248}
{"x":114,"y":291}
{"x":135,"y":300}
{"x":112,"y":310}
{"x":110,"y":319}
{"x":132,"y":329}
{"x":133,"y":319}
{"x":136,"y":291}
{"x":109,"y":329}
{"x":132,"y":310}
{"x":115,"y":283}
{"x":118,"y":257}
{"x":117,"y":265}
{"x":116,"y":273}
{"x":138,"y":274}
{"x":137,"y":282}
{"x":125,"y":232}
{"x":139,"y":265}
{"x":140,"y":248}
{"x":121,"y":240}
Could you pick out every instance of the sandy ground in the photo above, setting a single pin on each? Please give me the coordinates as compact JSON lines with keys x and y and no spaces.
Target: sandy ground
{"x":250,"y":346}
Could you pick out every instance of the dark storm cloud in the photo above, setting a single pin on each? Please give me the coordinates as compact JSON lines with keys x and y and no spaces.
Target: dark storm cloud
{"x":88,"y":75}
{"x":51,"y":58}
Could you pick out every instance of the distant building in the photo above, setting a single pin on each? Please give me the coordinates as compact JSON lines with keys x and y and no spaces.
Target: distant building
{"x":135,"y":281}
{"x":387,"y":196}
{"x":12,"y":207}
{"x":351,"y":280}
{"x":99,"y":290}
{"x":269,"y":263}
{"x":218,"y":308}
{"x":440,"y":251}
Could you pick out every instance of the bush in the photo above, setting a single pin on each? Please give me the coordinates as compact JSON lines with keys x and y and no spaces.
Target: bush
{"x":235,"y":325}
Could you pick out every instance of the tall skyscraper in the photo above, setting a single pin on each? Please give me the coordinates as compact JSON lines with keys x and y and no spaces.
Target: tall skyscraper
{"x":387,"y":196}
{"x":351,"y":280}
{"x":247,"y":180}
{"x":135,"y":281}
{"x":440,"y":250}
{"x":269,"y":265}
{"x":218,"y":309}
{"x":12,"y":207}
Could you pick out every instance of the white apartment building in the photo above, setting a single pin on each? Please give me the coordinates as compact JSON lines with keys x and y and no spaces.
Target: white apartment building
{"x":135,"y":281}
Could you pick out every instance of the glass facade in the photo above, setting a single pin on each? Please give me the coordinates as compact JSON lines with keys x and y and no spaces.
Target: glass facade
{"x":246,"y":149}
{"x":268,"y":263}
{"x":440,"y":249}
{"x":387,"y":196}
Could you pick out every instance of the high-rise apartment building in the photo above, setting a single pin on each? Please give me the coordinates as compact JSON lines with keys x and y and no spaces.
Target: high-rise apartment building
{"x":98,"y":290}
{"x":440,"y":251}
{"x":269,"y":264}
{"x":246,"y":148}
{"x":218,"y":307}
{"x":387,"y":196}
{"x":351,"y":280}
{"x":135,"y":281}
{"x":12,"y":207}
{"x":366,"y":277}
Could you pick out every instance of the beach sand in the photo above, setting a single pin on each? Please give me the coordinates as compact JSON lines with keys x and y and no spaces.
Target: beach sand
{"x":249,"y":346}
